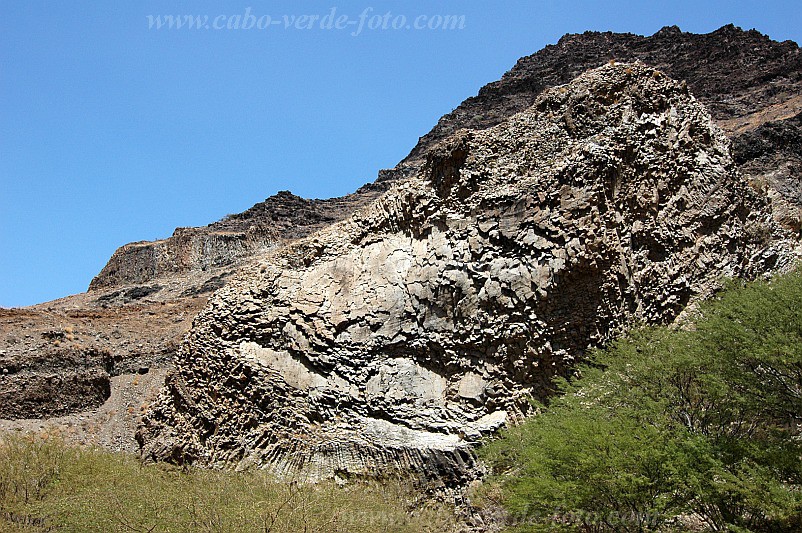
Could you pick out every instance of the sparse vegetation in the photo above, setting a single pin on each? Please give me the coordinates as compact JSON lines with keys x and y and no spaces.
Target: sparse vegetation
{"x":46,"y":485}
{"x":667,"y":428}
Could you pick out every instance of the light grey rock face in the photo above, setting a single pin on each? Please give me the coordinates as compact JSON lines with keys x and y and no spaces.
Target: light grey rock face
{"x":396,"y":339}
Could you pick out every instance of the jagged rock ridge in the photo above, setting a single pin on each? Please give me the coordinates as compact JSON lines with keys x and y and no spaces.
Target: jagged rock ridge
{"x":227,"y":242}
{"x":394,"y":340}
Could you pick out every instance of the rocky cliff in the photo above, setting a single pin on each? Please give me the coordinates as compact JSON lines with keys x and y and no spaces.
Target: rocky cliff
{"x":227,"y":242}
{"x":394,"y":340}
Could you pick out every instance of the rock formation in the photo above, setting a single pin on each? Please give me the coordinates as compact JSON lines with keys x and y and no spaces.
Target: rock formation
{"x":59,"y":357}
{"x":394,"y":340}
{"x":771,"y":156}
{"x":62,"y":358}
{"x":735,"y":73}
{"x":227,"y":242}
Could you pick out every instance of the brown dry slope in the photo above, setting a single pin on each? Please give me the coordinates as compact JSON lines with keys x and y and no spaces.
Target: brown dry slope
{"x":71,"y":364}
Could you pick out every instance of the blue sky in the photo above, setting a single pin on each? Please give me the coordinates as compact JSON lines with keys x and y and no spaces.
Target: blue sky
{"x":112,"y":132}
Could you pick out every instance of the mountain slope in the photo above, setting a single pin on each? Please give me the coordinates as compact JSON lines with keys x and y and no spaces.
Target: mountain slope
{"x":743,"y":77}
{"x":142,"y":303}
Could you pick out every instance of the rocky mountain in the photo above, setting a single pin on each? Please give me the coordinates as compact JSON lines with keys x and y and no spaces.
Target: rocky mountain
{"x":66,"y":358}
{"x":394,"y":340}
{"x":744,"y":78}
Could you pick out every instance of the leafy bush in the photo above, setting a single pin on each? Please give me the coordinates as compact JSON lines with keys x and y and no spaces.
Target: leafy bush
{"x":48,"y":486}
{"x":665,"y":426}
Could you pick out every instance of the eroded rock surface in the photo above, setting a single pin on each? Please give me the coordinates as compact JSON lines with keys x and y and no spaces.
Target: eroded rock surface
{"x":394,"y":340}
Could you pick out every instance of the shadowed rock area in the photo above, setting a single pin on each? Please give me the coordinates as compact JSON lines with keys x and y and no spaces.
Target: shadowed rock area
{"x":391,"y":342}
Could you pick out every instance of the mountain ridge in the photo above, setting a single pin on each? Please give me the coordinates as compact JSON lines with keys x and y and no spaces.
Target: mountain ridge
{"x":132,"y":320}
{"x":769,"y":73}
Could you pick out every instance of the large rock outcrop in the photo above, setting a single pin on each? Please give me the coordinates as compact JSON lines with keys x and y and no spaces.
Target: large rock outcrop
{"x":393,"y":340}
{"x":736,"y":73}
{"x":58,"y":358}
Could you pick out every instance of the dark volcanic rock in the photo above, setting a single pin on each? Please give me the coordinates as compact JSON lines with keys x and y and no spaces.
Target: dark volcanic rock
{"x":771,"y":156}
{"x":129,"y":295}
{"x":733,"y":72}
{"x":54,"y":383}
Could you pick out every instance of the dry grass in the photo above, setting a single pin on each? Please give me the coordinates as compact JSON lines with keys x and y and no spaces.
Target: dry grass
{"x":46,"y":485}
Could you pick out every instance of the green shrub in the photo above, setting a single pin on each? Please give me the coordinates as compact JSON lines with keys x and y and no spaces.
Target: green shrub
{"x":667,"y":423}
{"x":28,"y":468}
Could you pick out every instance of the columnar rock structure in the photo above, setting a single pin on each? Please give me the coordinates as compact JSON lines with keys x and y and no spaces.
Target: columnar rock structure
{"x":394,"y":340}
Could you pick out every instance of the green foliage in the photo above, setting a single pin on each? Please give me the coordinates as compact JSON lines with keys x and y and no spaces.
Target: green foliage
{"x":47,"y":486}
{"x":667,"y":424}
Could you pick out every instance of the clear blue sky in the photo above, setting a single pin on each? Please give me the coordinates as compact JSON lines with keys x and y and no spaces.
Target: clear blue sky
{"x":111,"y":132}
